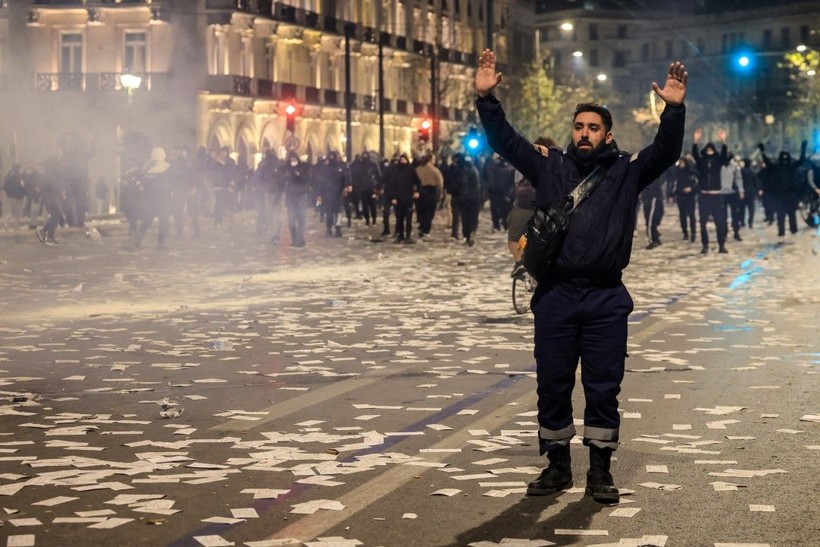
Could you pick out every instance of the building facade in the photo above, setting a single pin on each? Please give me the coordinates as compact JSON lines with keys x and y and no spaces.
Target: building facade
{"x":408,"y":61}
{"x":361,"y":74}
{"x":598,"y":43}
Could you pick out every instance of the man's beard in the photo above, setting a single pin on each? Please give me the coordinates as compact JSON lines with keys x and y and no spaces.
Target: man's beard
{"x":589,"y":153}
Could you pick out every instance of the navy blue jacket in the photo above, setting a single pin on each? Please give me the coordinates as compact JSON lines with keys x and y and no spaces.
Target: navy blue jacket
{"x":599,"y":241}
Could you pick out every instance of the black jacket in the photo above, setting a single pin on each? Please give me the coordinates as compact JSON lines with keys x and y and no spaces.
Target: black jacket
{"x":599,"y":242}
{"x":297,"y":182}
{"x":401,"y":182}
{"x":709,"y":166}
{"x":684,"y":181}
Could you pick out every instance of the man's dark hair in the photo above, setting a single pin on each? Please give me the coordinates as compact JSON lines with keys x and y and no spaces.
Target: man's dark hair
{"x":598,"y":109}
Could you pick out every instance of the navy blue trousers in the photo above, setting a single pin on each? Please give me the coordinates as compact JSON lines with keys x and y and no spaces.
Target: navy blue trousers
{"x":589,"y":324}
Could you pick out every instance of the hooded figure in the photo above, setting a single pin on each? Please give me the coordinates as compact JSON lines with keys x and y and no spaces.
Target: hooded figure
{"x":401,"y":187}
{"x":708,"y":163}
{"x":781,"y":179}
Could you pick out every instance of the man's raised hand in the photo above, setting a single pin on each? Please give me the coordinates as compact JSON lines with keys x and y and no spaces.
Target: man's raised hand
{"x":674,"y":89}
{"x":486,"y":78}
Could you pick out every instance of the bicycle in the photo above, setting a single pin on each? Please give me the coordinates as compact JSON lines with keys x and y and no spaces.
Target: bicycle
{"x":809,"y":208}
{"x":523,"y":287}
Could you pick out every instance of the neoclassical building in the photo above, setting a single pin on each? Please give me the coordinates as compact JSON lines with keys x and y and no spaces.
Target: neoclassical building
{"x":361,"y":74}
{"x":408,"y":61}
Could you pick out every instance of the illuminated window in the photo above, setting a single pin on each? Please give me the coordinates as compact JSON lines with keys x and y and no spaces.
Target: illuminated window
{"x":71,"y":53}
{"x":135,"y":57}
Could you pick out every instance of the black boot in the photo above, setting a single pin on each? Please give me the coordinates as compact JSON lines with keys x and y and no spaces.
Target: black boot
{"x":556,"y":477}
{"x":599,"y":480}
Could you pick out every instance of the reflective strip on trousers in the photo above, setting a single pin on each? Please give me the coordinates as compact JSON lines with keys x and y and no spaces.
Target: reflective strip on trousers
{"x":601,"y":437}
{"x":600,"y":433}
{"x":551,"y":435}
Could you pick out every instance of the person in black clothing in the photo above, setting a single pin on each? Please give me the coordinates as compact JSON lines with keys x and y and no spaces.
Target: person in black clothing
{"x":155,"y":200}
{"x":364,"y":177}
{"x":652,"y":199}
{"x":751,"y":189}
{"x":262,"y":186}
{"x":77,"y":154}
{"x":783,"y":186}
{"x":710,"y":199}
{"x":467,"y":179}
{"x":684,"y":187}
{"x":500,"y":178}
{"x":14,"y":186}
{"x":452,"y":187}
{"x":53,"y":196}
{"x":297,"y":190}
{"x":401,"y":188}
{"x":582,"y":310}
{"x":333,"y":185}
{"x":223,"y":172}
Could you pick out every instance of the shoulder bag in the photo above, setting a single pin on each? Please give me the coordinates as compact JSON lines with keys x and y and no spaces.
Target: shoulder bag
{"x":547,"y":228}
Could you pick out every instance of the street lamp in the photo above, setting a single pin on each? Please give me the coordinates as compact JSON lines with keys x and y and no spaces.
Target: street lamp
{"x":567,"y":26}
{"x":578,"y":53}
{"x":601,"y":77}
{"x":131,"y":82}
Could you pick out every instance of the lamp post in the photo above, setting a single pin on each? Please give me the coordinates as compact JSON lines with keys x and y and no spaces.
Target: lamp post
{"x":131,"y":82}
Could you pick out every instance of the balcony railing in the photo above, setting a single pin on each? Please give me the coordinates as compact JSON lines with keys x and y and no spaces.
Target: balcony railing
{"x":89,"y":81}
{"x":368,"y":102}
{"x":86,"y":3}
{"x":368,"y":35}
{"x":283,"y":91}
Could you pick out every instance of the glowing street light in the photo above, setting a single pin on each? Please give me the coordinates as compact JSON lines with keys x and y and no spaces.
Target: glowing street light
{"x":801,"y":48}
{"x":578,"y":53}
{"x":567,"y":26}
{"x":601,"y":77}
{"x":131,"y":82}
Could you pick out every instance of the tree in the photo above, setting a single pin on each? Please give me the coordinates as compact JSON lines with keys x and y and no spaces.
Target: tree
{"x":536,"y":103}
{"x":805,"y":93}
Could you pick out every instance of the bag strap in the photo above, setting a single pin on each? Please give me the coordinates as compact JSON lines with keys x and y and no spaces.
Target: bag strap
{"x":584,"y":189}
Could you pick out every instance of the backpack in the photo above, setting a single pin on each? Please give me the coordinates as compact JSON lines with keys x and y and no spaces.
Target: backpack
{"x":13,"y":186}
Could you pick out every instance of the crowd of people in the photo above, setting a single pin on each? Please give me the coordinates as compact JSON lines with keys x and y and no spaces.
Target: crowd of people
{"x":722,"y":188}
{"x":177,"y":188}
{"x":403,"y":193}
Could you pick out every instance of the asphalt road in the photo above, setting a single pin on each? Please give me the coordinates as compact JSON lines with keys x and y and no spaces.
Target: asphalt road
{"x":382,"y":394}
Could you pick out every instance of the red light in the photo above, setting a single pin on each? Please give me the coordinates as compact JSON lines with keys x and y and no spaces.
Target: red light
{"x":290,"y":110}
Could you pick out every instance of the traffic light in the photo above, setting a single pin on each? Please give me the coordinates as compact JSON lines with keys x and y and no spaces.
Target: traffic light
{"x":290,"y":110}
{"x":473,"y":142}
{"x":743,"y":61}
{"x":425,"y":127}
